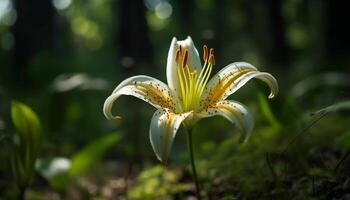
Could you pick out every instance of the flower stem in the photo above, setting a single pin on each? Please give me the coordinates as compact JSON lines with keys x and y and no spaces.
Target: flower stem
{"x":193,"y":165}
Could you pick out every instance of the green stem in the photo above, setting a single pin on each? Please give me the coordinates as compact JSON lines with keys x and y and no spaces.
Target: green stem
{"x":193,"y":165}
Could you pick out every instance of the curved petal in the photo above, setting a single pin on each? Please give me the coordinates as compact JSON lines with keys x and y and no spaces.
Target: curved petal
{"x":171,"y":73}
{"x":230,"y":79}
{"x":193,"y":60}
{"x":146,"y":88}
{"x":164,"y":126}
{"x":236,"y":113}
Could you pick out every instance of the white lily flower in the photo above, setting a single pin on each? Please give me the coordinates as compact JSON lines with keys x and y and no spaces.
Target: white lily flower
{"x":190,"y":95}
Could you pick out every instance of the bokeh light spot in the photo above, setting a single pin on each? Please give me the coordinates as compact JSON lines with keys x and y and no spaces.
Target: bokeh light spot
{"x":8,"y":14}
{"x":163,"y":10}
{"x":61,"y":4}
{"x":151,"y":4}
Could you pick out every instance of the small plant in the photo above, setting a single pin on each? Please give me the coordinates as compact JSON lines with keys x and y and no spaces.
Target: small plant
{"x":26,"y":145}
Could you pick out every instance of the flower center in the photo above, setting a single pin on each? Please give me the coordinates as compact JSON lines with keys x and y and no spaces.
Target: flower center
{"x":191,"y":83}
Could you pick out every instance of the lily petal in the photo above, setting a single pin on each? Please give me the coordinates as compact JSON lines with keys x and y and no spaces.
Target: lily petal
{"x":193,"y":60}
{"x":146,"y":88}
{"x":236,"y":113}
{"x":164,"y":126}
{"x":230,"y":79}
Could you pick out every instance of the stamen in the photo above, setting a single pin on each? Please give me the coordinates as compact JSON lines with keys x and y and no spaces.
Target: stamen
{"x":177,"y":55}
{"x":212,"y":59}
{"x":205,"y":53}
{"x":184,"y":61}
{"x":192,"y":82}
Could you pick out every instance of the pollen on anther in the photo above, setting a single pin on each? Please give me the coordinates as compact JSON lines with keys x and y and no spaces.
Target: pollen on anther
{"x":177,"y":55}
{"x":212,"y":59}
{"x":205,"y":52}
{"x":184,"y":62}
{"x":211,"y":51}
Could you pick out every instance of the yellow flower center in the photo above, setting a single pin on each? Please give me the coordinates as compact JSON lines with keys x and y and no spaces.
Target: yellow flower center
{"x":191,"y":83}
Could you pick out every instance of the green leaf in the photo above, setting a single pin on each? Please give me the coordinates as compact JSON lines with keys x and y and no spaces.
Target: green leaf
{"x":280,"y":110}
{"x":344,"y":105}
{"x":25,"y":121}
{"x":25,"y":152}
{"x":335,"y":79}
{"x":343,"y":141}
{"x":89,"y":155}
{"x":29,"y":131}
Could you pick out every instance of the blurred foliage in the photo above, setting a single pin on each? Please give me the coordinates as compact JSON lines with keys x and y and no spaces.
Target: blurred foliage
{"x":156,"y":182}
{"x":345,"y":105}
{"x":60,"y":171}
{"x":90,"y":154}
{"x":247,"y":170}
{"x":280,"y":111}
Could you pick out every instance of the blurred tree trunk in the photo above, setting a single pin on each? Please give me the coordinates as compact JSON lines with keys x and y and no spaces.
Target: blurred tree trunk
{"x":278,"y":50}
{"x":135,"y":50}
{"x":33,"y":32}
{"x":218,"y":25}
{"x":337,"y":32}
{"x":186,"y":8}
{"x":132,"y":38}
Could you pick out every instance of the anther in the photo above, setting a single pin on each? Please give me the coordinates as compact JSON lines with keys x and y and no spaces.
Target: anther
{"x":177,"y":55}
{"x":205,"y":52}
{"x":184,"y":61}
{"x":212,"y":59}
{"x":180,"y":49}
{"x":211,"y":51}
